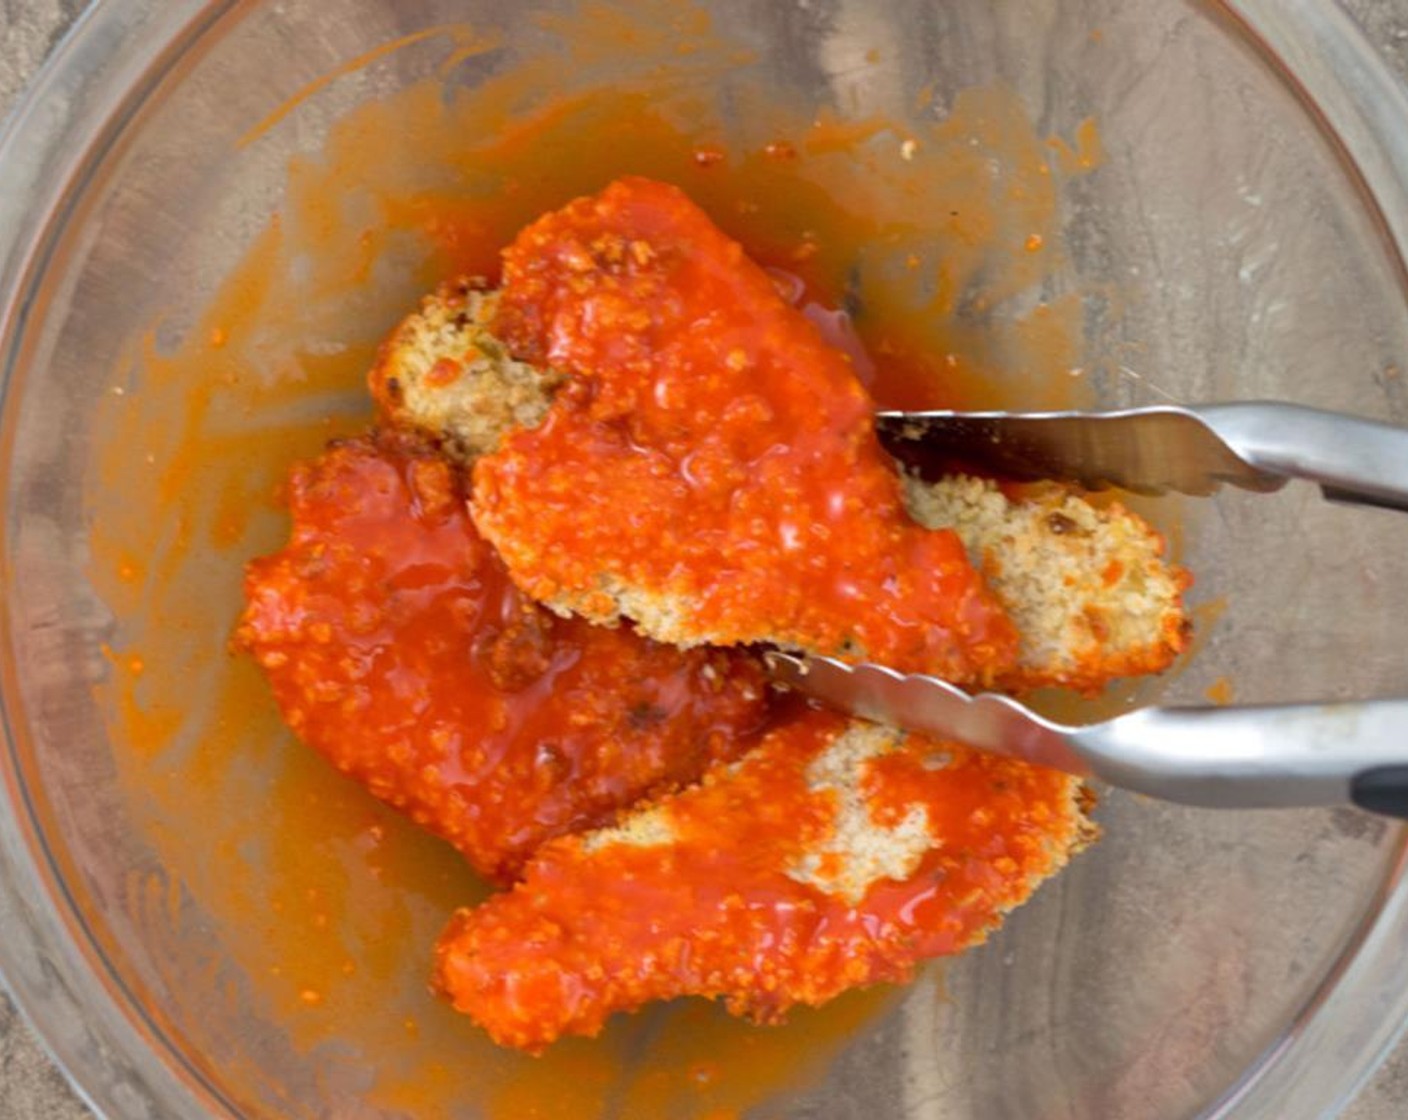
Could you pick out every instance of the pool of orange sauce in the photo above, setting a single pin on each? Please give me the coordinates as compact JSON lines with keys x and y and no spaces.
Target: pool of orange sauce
{"x":316,"y":907}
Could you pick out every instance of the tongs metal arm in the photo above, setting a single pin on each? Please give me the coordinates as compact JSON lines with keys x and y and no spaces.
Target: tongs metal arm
{"x":1193,"y":450}
{"x":1258,"y":756}
{"x":1352,"y":459}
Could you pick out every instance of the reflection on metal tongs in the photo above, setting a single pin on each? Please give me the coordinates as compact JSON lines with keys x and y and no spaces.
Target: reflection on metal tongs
{"x":1230,"y":757}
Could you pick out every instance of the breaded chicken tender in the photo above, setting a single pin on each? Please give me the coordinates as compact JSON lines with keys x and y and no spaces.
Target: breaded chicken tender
{"x":1089,"y":589}
{"x":398,"y":649}
{"x":709,"y":468}
{"x":653,"y":434}
{"x":835,"y":855}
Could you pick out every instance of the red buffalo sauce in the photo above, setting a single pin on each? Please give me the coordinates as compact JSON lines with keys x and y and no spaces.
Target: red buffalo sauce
{"x":714,"y":912}
{"x":398,"y":648}
{"x":711,"y":451}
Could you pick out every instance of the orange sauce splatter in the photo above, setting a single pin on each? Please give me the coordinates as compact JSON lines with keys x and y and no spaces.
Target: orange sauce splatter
{"x":1085,"y":152}
{"x":406,"y":191}
{"x":1220,"y":692}
{"x":1205,"y":618}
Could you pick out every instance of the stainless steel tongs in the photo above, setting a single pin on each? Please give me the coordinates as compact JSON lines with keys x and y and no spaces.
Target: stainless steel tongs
{"x":1225,"y":757}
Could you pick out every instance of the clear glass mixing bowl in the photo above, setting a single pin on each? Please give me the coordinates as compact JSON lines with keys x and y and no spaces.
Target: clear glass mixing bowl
{"x":1242,"y":236}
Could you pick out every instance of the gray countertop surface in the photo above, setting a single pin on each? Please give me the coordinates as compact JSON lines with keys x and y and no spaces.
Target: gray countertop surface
{"x":31,"y":1087}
